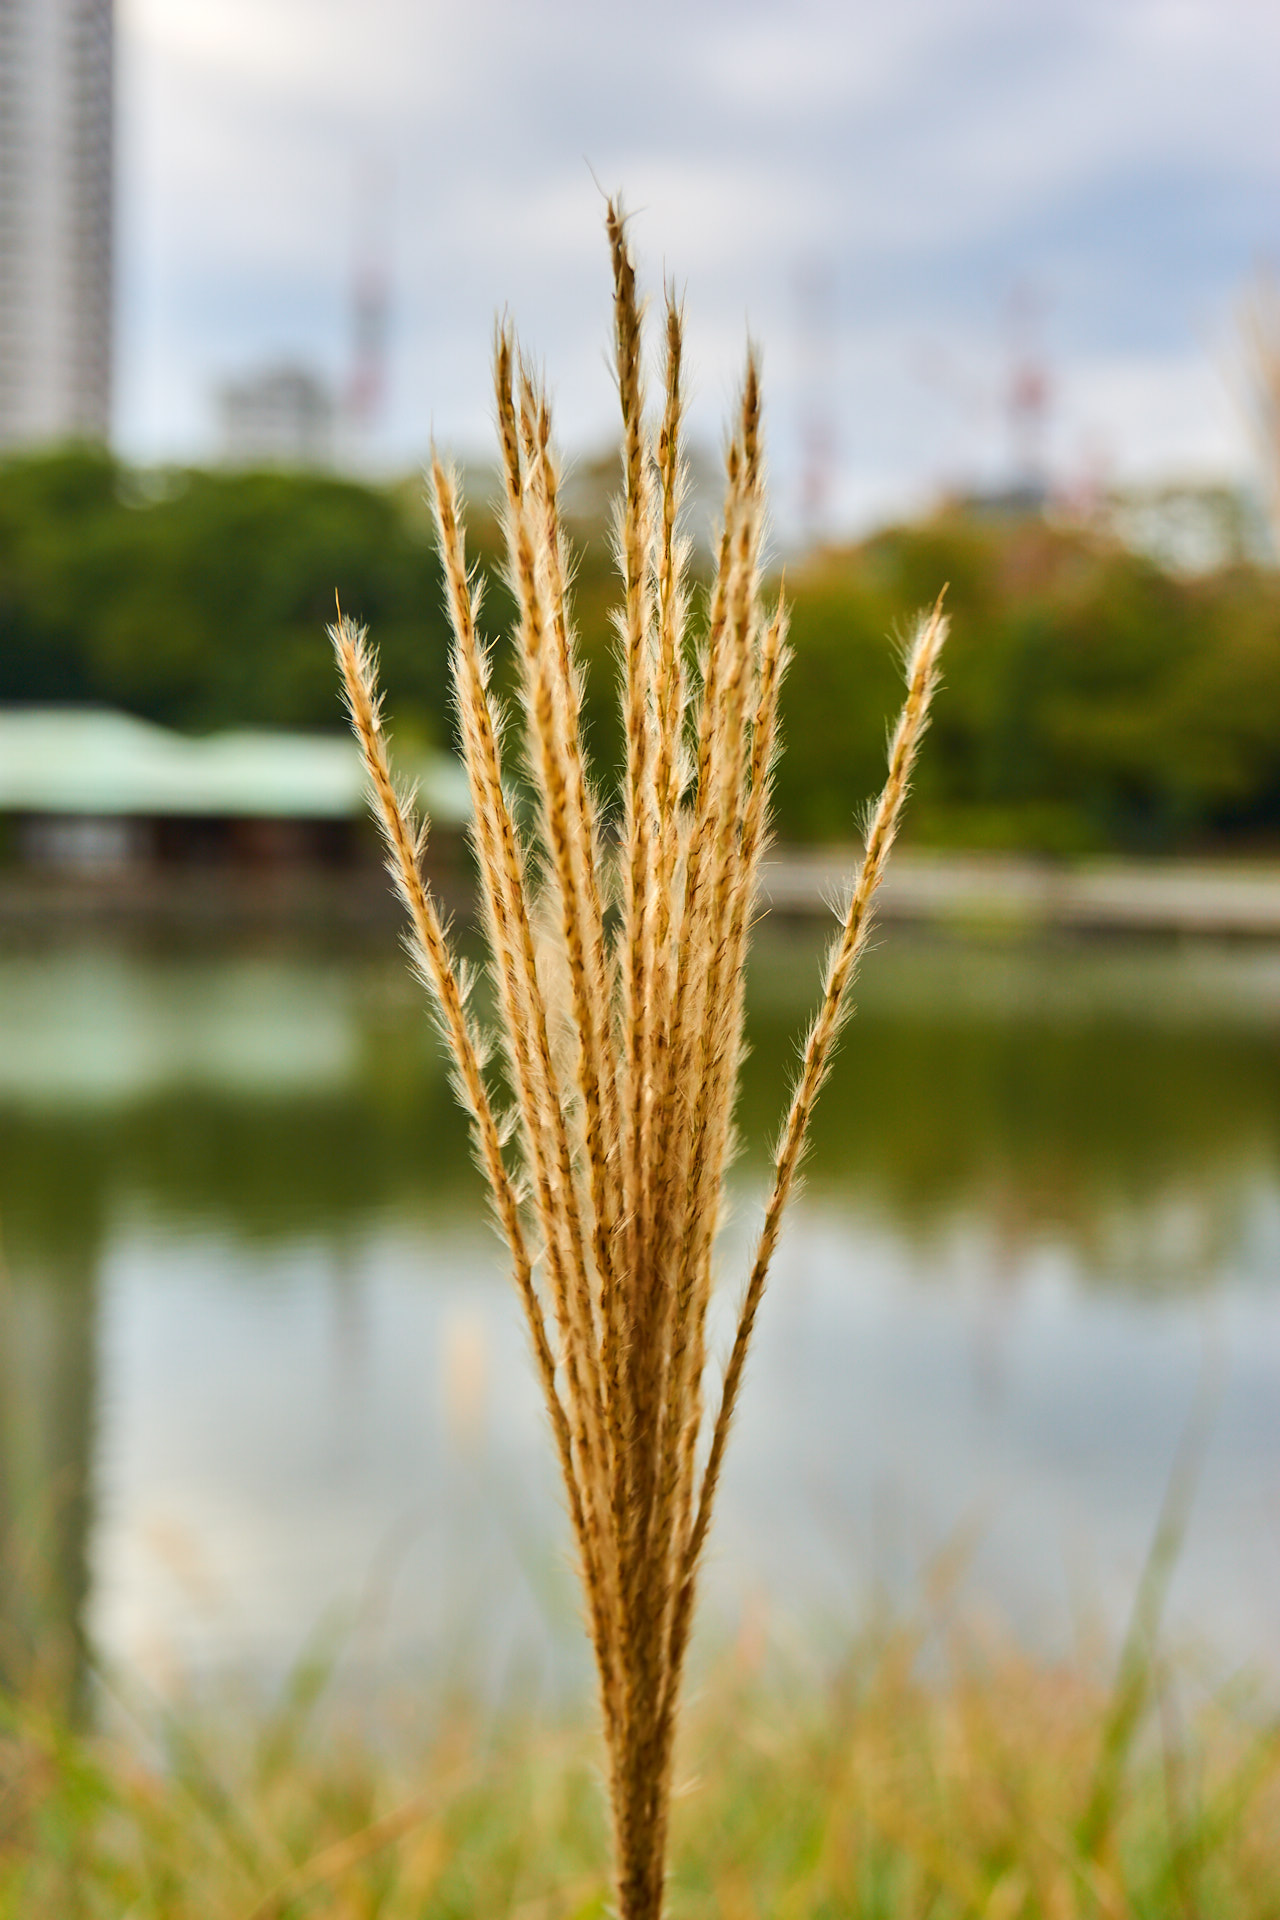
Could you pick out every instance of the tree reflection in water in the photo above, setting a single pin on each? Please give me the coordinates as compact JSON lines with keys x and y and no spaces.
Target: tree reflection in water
{"x":1118,"y":1104}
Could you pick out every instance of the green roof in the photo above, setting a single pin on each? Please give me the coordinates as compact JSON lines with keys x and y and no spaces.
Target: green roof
{"x":86,"y":761}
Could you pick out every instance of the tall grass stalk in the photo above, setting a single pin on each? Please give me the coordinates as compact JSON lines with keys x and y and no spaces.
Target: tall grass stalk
{"x":1260,"y":341}
{"x":619,"y":979}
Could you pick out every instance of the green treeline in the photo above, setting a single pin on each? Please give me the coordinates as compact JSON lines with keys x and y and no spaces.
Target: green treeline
{"x":1091,"y":699}
{"x":200,"y":599}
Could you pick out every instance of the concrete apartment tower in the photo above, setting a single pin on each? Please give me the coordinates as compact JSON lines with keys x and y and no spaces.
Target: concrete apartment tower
{"x":55,"y":220}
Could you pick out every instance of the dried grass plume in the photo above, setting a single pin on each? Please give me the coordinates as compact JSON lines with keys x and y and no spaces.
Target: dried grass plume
{"x":606,"y":1176}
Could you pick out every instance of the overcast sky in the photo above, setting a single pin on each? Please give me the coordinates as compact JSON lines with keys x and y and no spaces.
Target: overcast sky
{"x":902,"y":201}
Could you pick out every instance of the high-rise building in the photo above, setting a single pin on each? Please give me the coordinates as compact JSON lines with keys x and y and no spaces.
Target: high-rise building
{"x":55,"y":220}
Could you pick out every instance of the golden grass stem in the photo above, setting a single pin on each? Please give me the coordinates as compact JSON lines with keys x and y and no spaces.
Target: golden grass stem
{"x":622,"y":1154}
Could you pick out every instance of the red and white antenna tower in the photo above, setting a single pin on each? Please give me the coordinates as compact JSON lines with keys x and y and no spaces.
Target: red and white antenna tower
{"x":370,"y":299}
{"x":817,"y":396}
{"x":1029,"y":391}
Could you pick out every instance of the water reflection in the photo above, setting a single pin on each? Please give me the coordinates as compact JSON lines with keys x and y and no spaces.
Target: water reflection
{"x":47,"y":1393}
{"x":1124,"y":1101}
{"x":261,"y":1367}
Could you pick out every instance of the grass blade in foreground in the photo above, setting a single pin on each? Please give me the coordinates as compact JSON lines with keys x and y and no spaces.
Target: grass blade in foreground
{"x":624,"y":1080}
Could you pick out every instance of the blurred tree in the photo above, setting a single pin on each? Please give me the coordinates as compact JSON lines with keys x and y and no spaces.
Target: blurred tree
{"x":1092,"y":700}
{"x":200,"y":599}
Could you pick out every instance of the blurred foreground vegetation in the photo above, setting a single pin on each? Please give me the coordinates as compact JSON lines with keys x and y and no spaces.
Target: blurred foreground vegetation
{"x":1093,"y":700}
{"x":996,"y":1787}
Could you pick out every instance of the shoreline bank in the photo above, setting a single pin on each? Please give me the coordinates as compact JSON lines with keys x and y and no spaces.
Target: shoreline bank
{"x":961,"y":891}
{"x":1013,"y":893}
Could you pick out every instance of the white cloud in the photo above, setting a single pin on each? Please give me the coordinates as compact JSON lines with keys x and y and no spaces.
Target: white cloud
{"x":931,"y":154}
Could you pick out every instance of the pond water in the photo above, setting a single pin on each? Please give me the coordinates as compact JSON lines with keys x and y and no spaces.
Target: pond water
{"x":263,"y":1382}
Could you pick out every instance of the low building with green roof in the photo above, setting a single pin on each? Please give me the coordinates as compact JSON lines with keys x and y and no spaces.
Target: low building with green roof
{"x":88,"y":787}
